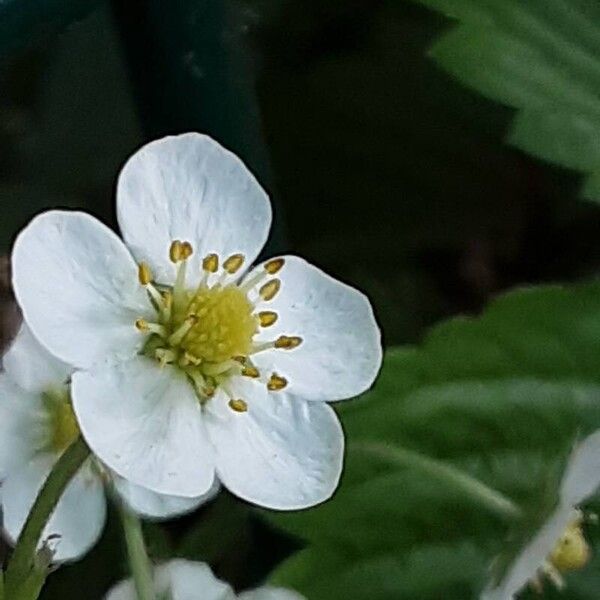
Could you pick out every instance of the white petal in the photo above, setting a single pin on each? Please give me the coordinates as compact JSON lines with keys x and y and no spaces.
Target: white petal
{"x":282,"y":453}
{"x":582,"y":475}
{"x":341,"y":353}
{"x":532,"y":557}
{"x":270,"y":593}
{"x":151,"y":505}
{"x":181,"y":580}
{"x":146,"y":424}
{"x":78,"y":518}
{"x":22,"y":426}
{"x":31,"y":366}
{"x":188,"y":187}
{"x":77,"y":286}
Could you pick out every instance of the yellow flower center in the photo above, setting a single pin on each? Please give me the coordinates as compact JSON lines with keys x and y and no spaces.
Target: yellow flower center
{"x":208,"y":332}
{"x":62,"y":424}
{"x":572,"y":552}
{"x":224,"y":327}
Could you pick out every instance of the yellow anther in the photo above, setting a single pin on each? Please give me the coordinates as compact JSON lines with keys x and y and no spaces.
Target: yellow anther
{"x":144,"y":273}
{"x":572,"y":552}
{"x":266,"y":318}
{"x":210,"y":263}
{"x":186,"y":250}
{"x":238,"y":405}
{"x":287,"y":342}
{"x":165,"y":356}
{"x":250,"y":372}
{"x":268,"y":291}
{"x":142,"y":325}
{"x":274,"y":265}
{"x":276,"y":383}
{"x":233,"y":263}
{"x":175,"y":251}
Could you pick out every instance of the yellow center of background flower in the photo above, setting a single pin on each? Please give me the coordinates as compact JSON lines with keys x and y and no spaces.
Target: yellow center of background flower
{"x":63,"y":429}
{"x":224,"y":327}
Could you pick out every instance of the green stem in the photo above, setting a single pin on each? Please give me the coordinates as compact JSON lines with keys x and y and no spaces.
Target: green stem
{"x":23,"y":560}
{"x":139,"y":563}
{"x":488,"y":497}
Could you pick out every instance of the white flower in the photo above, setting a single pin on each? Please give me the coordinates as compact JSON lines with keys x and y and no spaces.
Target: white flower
{"x":190,"y":369}
{"x":36,"y":425}
{"x":187,"y":580}
{"x":559,"y":546}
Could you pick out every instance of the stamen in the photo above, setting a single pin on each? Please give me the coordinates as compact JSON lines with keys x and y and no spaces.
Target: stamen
{"x":287,"y":342}
{"x":219,"y":368}
{"x":269,"y":289}
{"x":267,"y":318}
{"x":175,"y":251}
{"x":233,"y":263}
{"x":165,"y":356}
{"x":202,"y":387}
{"x":210,"y":263}
{"x":274,"y":265}
{"x":250,"y":372}
{"x":238,"y":405}
{"x":147,"y":327}
{"x":167,"y":305}
{"x":178,"y":335}
{"x":276,"y":383}
{"x":144,"y":273}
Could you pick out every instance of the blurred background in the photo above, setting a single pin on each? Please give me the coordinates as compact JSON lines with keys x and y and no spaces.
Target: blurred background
{"x":383,"y":171}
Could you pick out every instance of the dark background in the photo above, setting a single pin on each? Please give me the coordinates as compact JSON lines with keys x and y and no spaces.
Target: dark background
{"x":383,"y":172}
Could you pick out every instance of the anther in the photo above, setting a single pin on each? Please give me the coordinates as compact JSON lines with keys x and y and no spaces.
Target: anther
{"x":238,"y":405}
{"x":142,"y":325}
{"x":144,"y":273}
{"x":276,"y":383}
{"x":266,"y":318}
{"x":165,"y":356}
{"x":250,"y":372}
{"x":233,"y":263}
{"x":210,"y":263}
{"x":269,"y":289}
{"x":287,"y":342}
{"x":175,"y":251}
{"x":274,"y":265}
{"x":186,"y":250}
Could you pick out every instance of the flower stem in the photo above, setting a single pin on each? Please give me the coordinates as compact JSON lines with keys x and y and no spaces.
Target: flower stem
{"x":139,"y":563}
{"x":488,"y":497}
{"x":23,"y":560}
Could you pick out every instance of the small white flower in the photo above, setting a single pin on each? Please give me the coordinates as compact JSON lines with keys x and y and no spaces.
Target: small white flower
{"x":190,"y":369}
{"x":36,"y":425}
{"x":559,"y":546}
{"x":187,"y":580}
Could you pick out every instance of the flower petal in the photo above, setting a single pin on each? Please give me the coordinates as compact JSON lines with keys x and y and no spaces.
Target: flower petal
{"x":282,"y":453}
{"x":270,"y":593}
{"x":532,"y":557}
{"x":145,"y":423}
{"x":22,"y":426}
{"x":180,"y":580}
{"x":341,"y":352}
{"x":31,"y":366}
{"x":151,"y":505}
{"x":77,"y":286}
{"x":78,"y":518}
{"x":188,"y":187}
{"x":582,"y":476}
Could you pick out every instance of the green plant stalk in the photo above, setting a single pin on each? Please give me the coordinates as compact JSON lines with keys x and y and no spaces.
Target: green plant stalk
{"x":486,"y":496}
{"x":139,"y":563}
{"x":23,"y":560}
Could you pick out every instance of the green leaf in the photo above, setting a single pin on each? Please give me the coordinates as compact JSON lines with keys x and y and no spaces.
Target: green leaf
{"x":541,"y":57}
{"x":502,"y":397}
